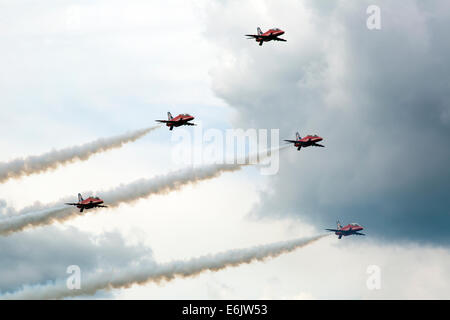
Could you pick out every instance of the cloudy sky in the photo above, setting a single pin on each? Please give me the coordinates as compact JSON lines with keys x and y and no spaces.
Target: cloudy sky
{"x":74,"y":71}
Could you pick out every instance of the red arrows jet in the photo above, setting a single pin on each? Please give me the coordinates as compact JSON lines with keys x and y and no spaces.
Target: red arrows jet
{"x":309,"y":140}
{"x":179,"y":120}
{"x":271,"y":34}
{"x":89,"y":203}
{"x":348,"y":230}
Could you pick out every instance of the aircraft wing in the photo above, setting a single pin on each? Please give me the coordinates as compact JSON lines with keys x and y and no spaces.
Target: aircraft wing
{"x":168,"y":121}
{"x":359,"y":234}
{"x":190,"y":124}
{"x":318,"y":145}
{"x":260,"y":36}
{"x":102,"y":206}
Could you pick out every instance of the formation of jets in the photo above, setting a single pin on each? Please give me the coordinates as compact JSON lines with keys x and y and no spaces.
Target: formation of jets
{"x":185,"y":120}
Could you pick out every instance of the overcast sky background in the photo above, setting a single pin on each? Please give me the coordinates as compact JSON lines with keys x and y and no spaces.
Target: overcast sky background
{"x":76,"y":71}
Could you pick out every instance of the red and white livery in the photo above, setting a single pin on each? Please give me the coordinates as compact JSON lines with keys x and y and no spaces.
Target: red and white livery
{"x":89,"y":203}
{"x":308,"y":141}
{"x":179,"y":120}
{"x":269,"y":35}
{"x":348,"y":230}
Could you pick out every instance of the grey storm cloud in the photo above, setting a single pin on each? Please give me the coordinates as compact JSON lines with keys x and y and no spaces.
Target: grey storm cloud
{"x":41,"y":256}
{"x":380,"y":99}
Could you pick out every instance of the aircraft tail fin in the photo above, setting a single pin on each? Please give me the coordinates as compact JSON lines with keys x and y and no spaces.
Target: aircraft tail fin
{"x":297,"y":136}
{"x":259,"y":31}
{"x":339,"y":227}
{"x":80,"y":197}
{"x":169,"y":116}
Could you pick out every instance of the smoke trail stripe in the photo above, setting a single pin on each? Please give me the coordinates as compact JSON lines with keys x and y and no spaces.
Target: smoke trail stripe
{"x":51,"y":160}
{"x":161,"y":272}
{"x":39,"y":215}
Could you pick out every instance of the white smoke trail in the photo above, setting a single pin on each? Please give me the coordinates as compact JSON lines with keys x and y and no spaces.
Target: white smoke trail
{"x":39,"y":215}
{"x":160,"y":272}
{"x":51,"y":160}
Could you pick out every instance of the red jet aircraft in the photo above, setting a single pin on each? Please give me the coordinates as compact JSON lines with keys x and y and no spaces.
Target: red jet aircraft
{"x":179,"y":120}
{"x":271,"y":34}
{"x":348,"y":230}
{"x":89,"y":203}
{"x":309,"y":140}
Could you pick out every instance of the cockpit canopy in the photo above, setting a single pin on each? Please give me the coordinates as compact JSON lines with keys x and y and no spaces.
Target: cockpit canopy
{"x":354,"y":224}
{"x":186,"y":115}
{"x":275,"y":29}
